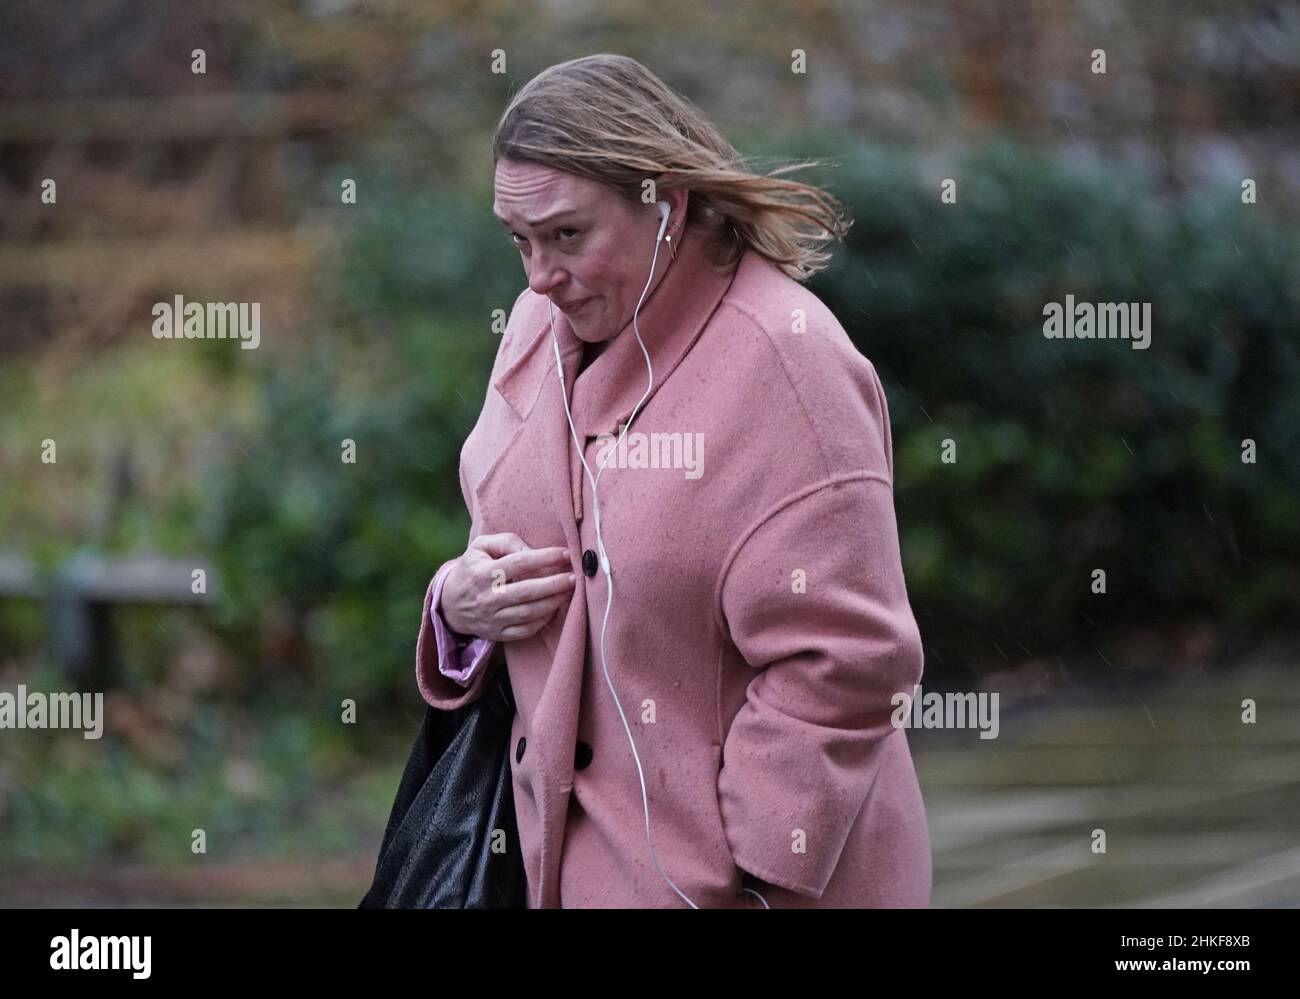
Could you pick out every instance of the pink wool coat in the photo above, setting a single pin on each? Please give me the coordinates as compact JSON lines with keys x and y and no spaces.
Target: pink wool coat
{"x":760,"y":624}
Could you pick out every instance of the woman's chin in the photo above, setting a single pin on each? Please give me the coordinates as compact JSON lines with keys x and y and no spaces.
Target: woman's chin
{"x":590,"y":332}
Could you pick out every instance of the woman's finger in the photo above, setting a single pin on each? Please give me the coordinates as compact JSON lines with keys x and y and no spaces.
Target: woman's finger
{"x":524,"y":613}
{"x":498,"y":545}
{"x":517,"y":631}
{"x":522,"y":564}
{"x":527,"y":590}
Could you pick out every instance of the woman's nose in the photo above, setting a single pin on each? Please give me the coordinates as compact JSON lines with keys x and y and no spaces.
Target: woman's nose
{"x":546,"y":270}
{"x":543,"y":279}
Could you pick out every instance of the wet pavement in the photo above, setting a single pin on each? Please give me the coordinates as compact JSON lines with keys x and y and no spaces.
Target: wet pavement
{"x":1199,"y":810}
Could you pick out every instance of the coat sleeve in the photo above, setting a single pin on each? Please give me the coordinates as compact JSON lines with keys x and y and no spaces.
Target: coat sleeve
{"x":458,"y":656}
{"x":814,"y":599}
{"x":432,"y":652}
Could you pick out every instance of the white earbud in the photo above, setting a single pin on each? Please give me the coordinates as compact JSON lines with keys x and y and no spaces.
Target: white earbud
{"x":664,"y":209}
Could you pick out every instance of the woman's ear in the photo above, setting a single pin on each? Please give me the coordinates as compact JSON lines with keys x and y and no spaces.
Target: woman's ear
{"x":680,"y":206}
{"x":678,"y":199}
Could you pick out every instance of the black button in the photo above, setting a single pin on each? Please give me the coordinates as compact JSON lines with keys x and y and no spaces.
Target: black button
{"x":519,"y":750}
{"x":582,"y":756}
{"x":589,"y":562}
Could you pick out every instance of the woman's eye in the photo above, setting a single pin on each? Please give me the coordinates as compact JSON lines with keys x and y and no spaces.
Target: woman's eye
{"x":515,"y":237}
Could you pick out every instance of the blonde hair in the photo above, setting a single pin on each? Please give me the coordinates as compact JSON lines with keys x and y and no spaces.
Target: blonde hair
{"x":608,"y":118}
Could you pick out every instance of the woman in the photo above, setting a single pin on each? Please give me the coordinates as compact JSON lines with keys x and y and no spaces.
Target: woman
{"x":740,"y":687}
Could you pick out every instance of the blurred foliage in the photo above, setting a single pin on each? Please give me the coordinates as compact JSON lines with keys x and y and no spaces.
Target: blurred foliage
{"x":346,"y":550}
{"x":252,"y":781}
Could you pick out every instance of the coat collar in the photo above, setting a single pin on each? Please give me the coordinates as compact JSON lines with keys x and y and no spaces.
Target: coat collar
{"x":604,"y":395}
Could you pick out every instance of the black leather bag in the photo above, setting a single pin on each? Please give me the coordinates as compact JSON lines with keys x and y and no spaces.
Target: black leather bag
{"x":456,"y":789}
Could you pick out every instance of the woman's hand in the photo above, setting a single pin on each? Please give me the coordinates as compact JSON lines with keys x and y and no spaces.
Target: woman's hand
{"x":491,"y":591}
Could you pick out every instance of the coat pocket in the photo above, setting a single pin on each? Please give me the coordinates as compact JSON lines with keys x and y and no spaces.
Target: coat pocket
{"x":740,"y":878}
{"x":720,"y":833}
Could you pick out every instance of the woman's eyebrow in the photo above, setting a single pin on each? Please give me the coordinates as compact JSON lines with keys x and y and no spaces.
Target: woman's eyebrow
{"x":539,"y":222}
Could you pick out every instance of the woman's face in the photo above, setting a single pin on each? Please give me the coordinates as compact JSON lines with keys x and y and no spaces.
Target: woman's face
{"x":583,"y":245}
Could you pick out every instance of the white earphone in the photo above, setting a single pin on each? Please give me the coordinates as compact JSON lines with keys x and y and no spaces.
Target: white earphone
{"x":664,"y":211}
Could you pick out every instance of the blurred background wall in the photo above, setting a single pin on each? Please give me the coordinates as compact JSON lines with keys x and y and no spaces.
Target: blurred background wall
{"x":204,"y":151}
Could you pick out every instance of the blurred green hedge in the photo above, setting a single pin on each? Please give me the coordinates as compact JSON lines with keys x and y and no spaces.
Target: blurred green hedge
{"x":1074,"y":455}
